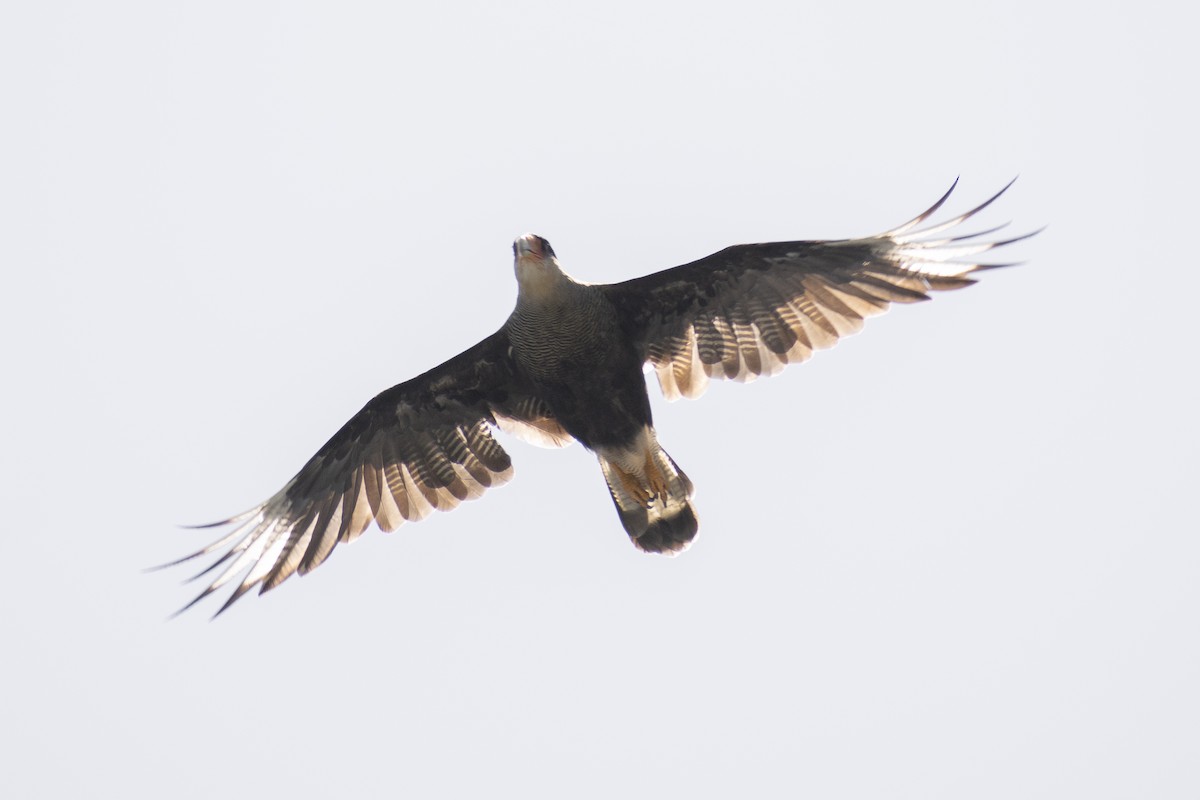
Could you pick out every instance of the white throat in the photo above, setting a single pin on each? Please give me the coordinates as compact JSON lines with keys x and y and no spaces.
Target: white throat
{"x":540,"y":280}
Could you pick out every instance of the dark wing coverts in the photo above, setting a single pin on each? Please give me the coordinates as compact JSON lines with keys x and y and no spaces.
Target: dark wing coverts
{"x":751,"y":309}
{"x":425,"y":444}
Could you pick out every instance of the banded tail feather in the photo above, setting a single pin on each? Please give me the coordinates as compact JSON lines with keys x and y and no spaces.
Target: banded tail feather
{"x":651,"y":493}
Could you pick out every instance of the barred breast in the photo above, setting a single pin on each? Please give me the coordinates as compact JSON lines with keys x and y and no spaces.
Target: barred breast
{"x":560,"y":340}
{"x":573,"y":349}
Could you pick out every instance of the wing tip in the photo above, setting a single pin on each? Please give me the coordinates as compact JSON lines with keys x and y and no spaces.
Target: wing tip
{"x":236,"y":518}
{"x":927,"y":213}
{"x":193,"y":602}
{"x":233,"y":598}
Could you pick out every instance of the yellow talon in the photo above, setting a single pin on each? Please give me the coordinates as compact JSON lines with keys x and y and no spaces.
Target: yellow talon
{"x":635,"y":489}
{"x":659,"y":487}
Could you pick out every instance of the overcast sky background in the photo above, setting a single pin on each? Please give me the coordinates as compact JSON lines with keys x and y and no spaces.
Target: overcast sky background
{"x":957,"y":556}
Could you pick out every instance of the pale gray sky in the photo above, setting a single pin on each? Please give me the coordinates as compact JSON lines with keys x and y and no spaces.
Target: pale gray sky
{"x":954,"y":557}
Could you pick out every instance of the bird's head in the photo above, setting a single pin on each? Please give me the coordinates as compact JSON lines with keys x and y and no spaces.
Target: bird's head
{"x":532,"y":246}
{"x":538,"y":272}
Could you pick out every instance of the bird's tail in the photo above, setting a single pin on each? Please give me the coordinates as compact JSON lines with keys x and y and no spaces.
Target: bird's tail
{"x":651,"y":493}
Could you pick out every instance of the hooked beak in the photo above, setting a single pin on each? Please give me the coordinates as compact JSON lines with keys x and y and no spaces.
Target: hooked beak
{"x":532,"y":246}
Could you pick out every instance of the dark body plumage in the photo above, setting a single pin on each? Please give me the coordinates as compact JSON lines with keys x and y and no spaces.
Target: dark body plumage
{"x":582,"y":365}
{"x":568,"y":365}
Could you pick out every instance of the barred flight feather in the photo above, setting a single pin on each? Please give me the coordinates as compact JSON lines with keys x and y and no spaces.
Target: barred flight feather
{"x":422,"y":446}
{"x":749,"y":310}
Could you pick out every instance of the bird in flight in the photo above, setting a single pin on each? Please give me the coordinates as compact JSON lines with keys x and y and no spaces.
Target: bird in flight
{"x":569,"y":364}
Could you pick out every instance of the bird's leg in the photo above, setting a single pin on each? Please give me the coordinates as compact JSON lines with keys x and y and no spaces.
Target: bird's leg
{"x":631,"y":484}
{"x":660,"y":488}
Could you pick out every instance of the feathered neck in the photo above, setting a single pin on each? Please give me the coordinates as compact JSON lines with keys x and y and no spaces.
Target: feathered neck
{"x":541,"y":281}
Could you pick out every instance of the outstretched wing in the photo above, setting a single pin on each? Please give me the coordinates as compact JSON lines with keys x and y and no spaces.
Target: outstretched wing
{"x":425,"y":444}
{"x":751,"y":309}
